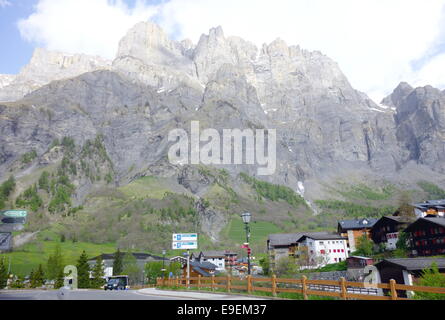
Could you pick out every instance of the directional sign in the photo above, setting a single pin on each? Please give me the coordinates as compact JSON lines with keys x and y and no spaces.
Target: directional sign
{"x":14,"y":214}
{"x":185,"y":245}
{"x":5,"y":241}
{"x":12,"y":220}
{"x":185,"y":237}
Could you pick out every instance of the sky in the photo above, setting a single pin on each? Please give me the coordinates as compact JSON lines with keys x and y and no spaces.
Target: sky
{"x":377,"y":43}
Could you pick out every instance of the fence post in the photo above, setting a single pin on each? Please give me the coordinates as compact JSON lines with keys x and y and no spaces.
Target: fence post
{"x":199,"y":282}
{"x":249,"y":284}
{"x":344,"y":291}
{"x":392,"y":285}
{"x":228,"y":283}
{"x":213,"y":282}
{"x":304,"y":283}
{"x":274,"y":285}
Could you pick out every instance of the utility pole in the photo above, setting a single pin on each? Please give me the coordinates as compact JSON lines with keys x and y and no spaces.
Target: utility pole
{"x":188,"y":269}
{"x":9,"y":267}
{"x":246,"y":219}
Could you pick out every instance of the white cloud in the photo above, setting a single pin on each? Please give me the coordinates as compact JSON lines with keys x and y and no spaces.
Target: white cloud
{"x":82,"y":26}
{"x":433,"y":73}
{"x":4,"y":3}
{"x":374,"y":41}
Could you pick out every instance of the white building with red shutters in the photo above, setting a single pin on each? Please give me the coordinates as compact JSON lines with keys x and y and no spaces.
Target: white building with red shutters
{"x":323,"y":248}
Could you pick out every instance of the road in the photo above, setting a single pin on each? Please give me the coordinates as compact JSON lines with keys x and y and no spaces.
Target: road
{"x":81,"y":295}
{"x":97,"y":295}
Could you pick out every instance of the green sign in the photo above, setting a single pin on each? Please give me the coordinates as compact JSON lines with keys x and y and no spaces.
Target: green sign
{"x":14,"y":214}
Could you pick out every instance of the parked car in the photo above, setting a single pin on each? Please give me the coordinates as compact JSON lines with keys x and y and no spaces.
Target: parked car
{"x":117,"y":283}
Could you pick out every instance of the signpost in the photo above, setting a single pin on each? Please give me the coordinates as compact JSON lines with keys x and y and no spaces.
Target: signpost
{"x":186,"y":241}
{"x":12,"y":220}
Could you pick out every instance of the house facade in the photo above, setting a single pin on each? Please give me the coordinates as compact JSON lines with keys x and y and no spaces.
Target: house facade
{"x":431,"y":208}
{"x":427,"y":237}
{"x":406,"y":271}
{"x":283,"y":245}
{"x":223,"y":260}
{"x":203,"y":269}
{"x":141,"y":260}
{"x":387,"y":229}
{"x":322,"y":249}
{"x":311,"y":250}
{"x":355,"y":229}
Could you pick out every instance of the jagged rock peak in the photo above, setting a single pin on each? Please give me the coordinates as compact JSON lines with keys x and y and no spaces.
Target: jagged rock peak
{"x":143,"y":38}
{"x":399,"y":94}
{"x":217,"y":32}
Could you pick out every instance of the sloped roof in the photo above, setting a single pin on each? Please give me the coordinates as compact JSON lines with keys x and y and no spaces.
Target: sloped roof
{"x":323,"y":236}
{"x":357,"y":223}
{"x":202,"y":267}
{"x":287,"y":239}
{"x":415,"y":264}
{"x":436,"y":221}
{"x":284,"y":239}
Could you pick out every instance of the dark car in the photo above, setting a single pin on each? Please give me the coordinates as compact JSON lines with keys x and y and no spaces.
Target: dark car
{"x":117,"y":283}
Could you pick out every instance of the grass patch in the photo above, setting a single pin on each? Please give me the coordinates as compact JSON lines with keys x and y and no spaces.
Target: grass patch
{"x":342,"y":266}
{"x":434,"y":192}
{"x":274,"y":192}
{"x":259,"y":230}
{"x":28,"y":257}
{"x":147,"y":187}
{"x":364,"y":192}
{"x":354,"y":210}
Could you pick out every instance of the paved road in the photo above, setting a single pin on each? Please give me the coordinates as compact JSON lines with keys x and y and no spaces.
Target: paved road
{"x":81,"y":295}
{"x":145,"y":294}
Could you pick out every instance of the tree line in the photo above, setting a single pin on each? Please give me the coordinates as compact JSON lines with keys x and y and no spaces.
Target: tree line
{"x":89,"y":277}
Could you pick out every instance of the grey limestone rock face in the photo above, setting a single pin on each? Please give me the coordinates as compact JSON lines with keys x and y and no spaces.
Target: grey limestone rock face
{"x":155,"y":84}
{"x":47,"y":66}
{"x":420,"y":121}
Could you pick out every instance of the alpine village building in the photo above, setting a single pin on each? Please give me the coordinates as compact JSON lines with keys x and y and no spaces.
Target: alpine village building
{"x":427,"y":237}
{"x":355,"y":229}
{"x":313,"y":250}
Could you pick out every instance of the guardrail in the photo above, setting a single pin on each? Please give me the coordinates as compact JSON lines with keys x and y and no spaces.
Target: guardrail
{"x":341,"y":289}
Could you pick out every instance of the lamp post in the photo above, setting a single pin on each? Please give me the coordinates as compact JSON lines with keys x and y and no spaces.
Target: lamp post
{"x":164,"y":252}
{"x":246,"y":219}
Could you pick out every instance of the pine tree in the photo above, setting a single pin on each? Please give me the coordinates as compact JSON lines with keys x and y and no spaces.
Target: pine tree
{"x":3,"y":274}
{"x":83,"y":271}
{"x":118,"y":266}
{"x":37,"y":277}
{"x":406,"y":210}
{"x":31,"y":278}
{"x":60,"y":281}
{"x":98,"y":274}
{"x":55,"y":264}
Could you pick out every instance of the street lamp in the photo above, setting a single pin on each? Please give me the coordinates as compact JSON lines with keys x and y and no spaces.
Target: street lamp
{"x":246,"y":219}
{"x":164,"y":252}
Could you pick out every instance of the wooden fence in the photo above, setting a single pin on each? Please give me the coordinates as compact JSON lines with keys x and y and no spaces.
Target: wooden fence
{"x":339,"y":289}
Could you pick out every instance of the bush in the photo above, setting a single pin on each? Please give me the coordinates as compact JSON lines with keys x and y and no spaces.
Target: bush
{"x":29,"y":157}
{"x":431,"y":278}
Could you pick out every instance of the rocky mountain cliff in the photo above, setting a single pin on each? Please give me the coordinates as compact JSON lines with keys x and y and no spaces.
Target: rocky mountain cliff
{"x":47,"y":66}
{"x":327,"y":131}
